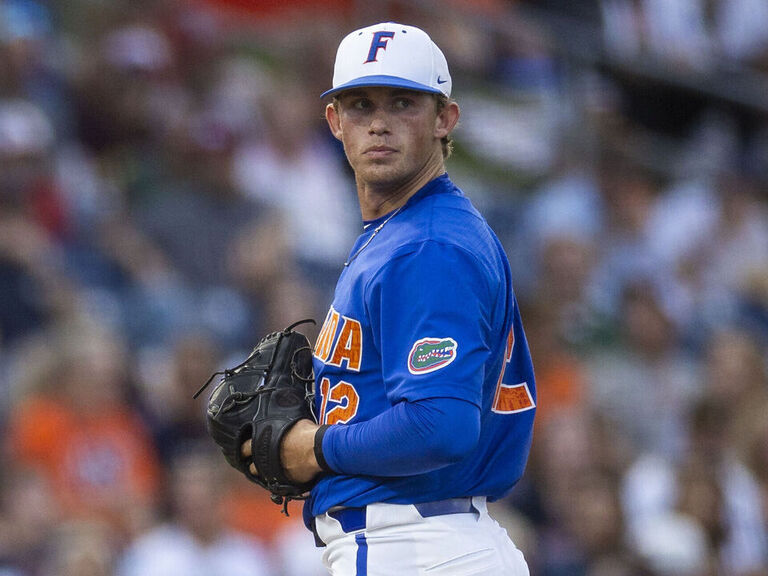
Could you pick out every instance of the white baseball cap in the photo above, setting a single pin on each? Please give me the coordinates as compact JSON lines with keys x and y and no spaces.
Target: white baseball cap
{"x":390,"y":54}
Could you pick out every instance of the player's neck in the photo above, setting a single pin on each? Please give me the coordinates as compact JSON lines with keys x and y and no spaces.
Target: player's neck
{"x":378,"y":199}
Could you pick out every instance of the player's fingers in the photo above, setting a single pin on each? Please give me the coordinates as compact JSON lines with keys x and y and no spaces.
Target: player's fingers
{"x":253,"y":469}
{"x":245,"y":449}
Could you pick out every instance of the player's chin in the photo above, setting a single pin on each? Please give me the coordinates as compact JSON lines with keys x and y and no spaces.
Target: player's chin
{"x":381,"y":172}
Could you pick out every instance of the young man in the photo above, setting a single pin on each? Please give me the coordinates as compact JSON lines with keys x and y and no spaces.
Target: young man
{"x":425,"y":386}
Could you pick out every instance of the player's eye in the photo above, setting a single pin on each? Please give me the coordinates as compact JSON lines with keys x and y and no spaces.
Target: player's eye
{"x":361,"y":104}
{"x":402,"y":103}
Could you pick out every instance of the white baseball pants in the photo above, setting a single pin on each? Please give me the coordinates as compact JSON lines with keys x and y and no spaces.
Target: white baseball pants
{"x":448,"y":538}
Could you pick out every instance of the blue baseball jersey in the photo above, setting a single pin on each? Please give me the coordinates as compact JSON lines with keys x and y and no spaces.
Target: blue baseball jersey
{"x":426,"y":310}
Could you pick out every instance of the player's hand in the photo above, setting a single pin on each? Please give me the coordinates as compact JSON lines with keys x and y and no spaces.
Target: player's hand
{"x":297,"y":452}
{"x":245,"y":450}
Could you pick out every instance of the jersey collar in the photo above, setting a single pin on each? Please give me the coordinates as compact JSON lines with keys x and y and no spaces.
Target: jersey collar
{"x":440,"y":185}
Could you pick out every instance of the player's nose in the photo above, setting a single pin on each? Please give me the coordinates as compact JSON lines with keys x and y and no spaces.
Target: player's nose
{"x":379,"y":123}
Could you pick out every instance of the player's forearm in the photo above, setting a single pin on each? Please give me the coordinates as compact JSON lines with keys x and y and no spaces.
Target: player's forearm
{"x":410,"y":438}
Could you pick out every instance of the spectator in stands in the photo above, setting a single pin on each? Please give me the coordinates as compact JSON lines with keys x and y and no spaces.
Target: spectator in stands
{"x":76,"y":426}
{"x":736,"y":377}
{"x":673,"y":31}
{"x":83,"y":548}
{"x":269,"y":278}
{"x":169,"y":377}
{"x":194,"y":540}
{"x":709,"y":485}
{"x":643,"y":382}
{"x":29,"y":515}
{"x":294,"y":169}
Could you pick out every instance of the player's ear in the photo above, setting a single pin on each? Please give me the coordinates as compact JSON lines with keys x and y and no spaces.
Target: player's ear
{"x":334,"y":122}
{"x":447,"y":118}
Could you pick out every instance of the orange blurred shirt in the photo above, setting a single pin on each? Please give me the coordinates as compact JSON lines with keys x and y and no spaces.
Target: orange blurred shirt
{"x":101,"y":465}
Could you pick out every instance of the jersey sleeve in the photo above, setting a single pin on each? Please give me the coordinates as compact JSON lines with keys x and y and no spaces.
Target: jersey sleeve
{"x":410,"y":438}
{"x":430,"y":311}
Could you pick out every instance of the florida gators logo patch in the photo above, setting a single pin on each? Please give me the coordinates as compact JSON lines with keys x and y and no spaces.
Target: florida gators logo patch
{"x":430,"y":354}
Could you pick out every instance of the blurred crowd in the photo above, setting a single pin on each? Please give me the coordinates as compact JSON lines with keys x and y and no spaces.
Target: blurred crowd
{"x":169,"y":193}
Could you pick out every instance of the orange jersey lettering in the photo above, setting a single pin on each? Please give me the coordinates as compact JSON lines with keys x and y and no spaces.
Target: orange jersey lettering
{"x":349,"y":345}
{"x":346,"y":398}
{"x":325,"y":338}
{"x":513,"y":399}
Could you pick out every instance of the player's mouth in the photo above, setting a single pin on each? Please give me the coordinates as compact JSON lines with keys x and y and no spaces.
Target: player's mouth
{"x":379,"y":151}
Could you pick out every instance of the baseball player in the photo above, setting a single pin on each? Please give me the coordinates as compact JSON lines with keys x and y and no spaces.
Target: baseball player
{"x":425,"y":392}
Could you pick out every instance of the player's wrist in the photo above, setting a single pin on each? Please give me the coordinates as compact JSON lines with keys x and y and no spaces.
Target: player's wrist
{"x":318,"y":448}
{"x":297,"y":452}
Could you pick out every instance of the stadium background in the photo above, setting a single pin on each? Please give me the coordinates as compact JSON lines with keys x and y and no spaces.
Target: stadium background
{"x":169,"y":193}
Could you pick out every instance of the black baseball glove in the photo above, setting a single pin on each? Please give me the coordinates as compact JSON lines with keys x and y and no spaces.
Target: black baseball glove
{"x":261,"y":399}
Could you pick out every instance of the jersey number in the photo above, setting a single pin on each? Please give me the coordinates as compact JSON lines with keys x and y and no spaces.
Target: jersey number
{"x":511,"y":398}
{"x":346,"y":398}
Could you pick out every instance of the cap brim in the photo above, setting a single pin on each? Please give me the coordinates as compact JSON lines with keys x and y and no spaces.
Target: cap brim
{"x":393,"y":81}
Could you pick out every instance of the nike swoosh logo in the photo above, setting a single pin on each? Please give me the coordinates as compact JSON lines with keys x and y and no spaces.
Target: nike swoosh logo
{"x":441,"y":81}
